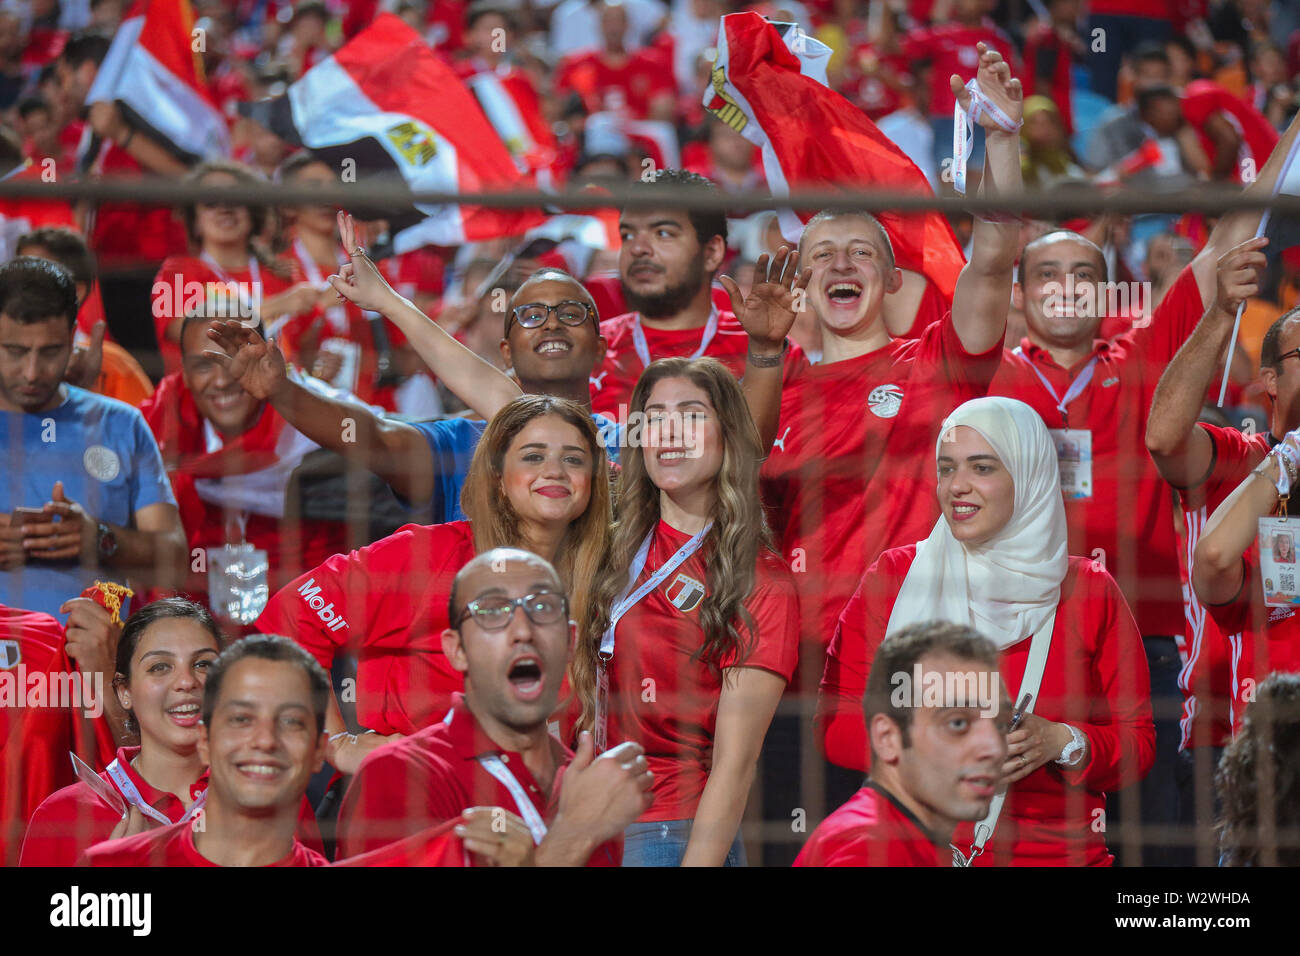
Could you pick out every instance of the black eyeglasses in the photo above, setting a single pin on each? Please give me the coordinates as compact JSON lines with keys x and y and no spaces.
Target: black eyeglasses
{"x":533,"y":314}
{"x":493,"y":613}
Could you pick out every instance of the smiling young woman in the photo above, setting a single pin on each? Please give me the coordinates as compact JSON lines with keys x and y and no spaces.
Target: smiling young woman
{"x":697,"y":633}
{"x":997,"y":561}
{"x":163,"y":657}
{"x":539,"y":481}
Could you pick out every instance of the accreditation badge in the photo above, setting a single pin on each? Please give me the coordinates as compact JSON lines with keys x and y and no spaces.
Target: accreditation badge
{"x":1074,"y":453}
{"x":237,"y":582}
{"x":1277,"y":561}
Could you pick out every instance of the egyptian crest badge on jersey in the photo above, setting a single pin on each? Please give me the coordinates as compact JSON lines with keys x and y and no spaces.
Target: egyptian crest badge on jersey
{"x":685,"y":593}
{"x":11,"y":654}
{"x":885,"y":401}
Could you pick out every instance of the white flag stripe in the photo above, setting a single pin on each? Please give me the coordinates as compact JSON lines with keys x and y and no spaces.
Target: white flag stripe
{"x":163,"y":100}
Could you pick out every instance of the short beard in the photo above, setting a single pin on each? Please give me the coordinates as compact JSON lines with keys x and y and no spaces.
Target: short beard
{"x":672,"y":300}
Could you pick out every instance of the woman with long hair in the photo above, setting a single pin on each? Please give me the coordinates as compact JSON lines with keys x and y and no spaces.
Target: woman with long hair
{"x":229,"y":258}
{"x":997,"y":561}
{"x":696,"y":627}
{"x":163,"y":656}
{"x":539,"y":480}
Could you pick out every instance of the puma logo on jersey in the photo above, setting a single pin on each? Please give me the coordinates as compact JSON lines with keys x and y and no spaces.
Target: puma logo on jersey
{"x":598,"y":381}
{"x":885,"y":401}
{"x":685,"y":593}
{"x":1113,"y":380}
{"x":780,"y":442}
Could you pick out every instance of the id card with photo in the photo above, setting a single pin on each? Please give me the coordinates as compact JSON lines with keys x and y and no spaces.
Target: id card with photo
{"x":1277,"y":561}
{"x":1074,"y":453}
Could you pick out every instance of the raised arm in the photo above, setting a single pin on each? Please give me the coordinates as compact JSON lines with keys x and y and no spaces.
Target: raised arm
{"x":393,"y":450}
{"x":480,"y":385}
{"x":983,"y":294}
{"x":1217,"y":569}
{"x":1182,"y":452}
{"x":767,"y":314}
{"x":1236,"y":227}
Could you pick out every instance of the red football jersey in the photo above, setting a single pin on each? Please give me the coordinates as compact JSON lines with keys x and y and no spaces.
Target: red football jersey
{"x":852,"y":471}
{"x":612,"y":383}
{"x":1206,"y":679}
{"x":674,"y":715}
{"x":437,"y":846}
{"x":1128,"y":522}
{"x":37,"y":729}
{"x":170,"y":294}
{"x":1095,"y":679}
{"x":387,"y":603}
{"x":75,"y":818}
{"x":1262,"y":639}
{"x":174,"y":846}
{"x":873,"y":829}
{"x":628,"y":88}
{"x":432,"y":777}
{"x":951,"y":49}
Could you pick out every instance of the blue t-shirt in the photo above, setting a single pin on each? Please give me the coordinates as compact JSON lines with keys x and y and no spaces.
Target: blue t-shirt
{"x":106,"y":457}
{"x":452,"y":442}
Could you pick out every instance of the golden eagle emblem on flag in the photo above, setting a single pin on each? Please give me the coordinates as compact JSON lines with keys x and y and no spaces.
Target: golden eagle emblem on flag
{"x":416,"y":142}
{"x":723,"y":105}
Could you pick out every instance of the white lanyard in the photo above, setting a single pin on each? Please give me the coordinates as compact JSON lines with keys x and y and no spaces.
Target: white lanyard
{"x":629,"y":597}
{"x":254,"y":269}
{"x":1076,"y":388}
{"x":964,"y":122}
{"x":626,"y":601}
{"x":496,"y":766}
{"x":1029,"y":684}
{"x":335,"y":313}
{"x":133,"y":797}
{"x":643,"y":348}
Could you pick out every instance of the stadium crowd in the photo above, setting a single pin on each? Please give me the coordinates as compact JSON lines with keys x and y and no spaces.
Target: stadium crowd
{"x":673,"y":536}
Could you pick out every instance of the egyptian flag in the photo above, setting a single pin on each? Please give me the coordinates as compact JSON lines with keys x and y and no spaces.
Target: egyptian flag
{"x":386,"y":107}
{"x":19,"y":216}
{"x":512,"y":107}
{"x":769,"y":84}
{"x":155,"y":76}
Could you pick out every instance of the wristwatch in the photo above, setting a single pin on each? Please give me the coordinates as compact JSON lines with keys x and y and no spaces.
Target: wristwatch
{"x":1072,"y":752}
{"x":106,"y":542}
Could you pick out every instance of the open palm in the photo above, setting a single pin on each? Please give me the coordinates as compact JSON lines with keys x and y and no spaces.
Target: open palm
{"x":776,"y":296}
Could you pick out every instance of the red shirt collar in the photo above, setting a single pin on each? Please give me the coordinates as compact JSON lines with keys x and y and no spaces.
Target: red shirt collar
{"x":1040,"y":356}
{"x":470,"y":741}
{"x":152,"y":795}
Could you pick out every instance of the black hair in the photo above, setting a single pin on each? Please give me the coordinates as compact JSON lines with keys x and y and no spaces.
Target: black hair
{"x":268,"y":647}
{"x":90,"y":46}
{"x":68,"y":248}
{"x":1144,"y":99}
{"x":33,"y":104}
{"x":900,"y":653}
{"x":1149,"y":51}
{"x":707,"y":223}
{"x":296,"y":164}
{"x":37,"y":290}
{"x":1270,"y":351}
{"x":145,"y":617}
{"x":482,"y":8}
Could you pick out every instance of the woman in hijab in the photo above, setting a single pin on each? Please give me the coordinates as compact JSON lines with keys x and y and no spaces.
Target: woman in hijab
{"x":1045,"y":154}
{"x":997,"y":561}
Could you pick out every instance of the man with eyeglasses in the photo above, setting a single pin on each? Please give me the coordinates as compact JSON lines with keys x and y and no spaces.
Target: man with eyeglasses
{"x":512,"y":639}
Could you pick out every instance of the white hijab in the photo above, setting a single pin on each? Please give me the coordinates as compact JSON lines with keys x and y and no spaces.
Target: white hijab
{"x":1006,"y":587}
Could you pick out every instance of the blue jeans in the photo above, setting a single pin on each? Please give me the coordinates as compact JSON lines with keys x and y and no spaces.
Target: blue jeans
{"x":664,"y":844}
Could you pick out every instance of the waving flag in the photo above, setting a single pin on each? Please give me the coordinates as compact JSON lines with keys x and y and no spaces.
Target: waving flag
{"x":156,"y":78}
{"x":512,"y":107}
{"x":385,"y":106}
{"x":771,"y":88}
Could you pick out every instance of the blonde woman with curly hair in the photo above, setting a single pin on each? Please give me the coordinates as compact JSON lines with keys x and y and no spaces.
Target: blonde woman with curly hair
{"x":696,"y":628}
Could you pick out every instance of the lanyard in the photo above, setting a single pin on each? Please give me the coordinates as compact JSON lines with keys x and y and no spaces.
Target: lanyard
{"x":627,"y":600}
{"x":496,"y":766}
{"x":133,"y":797}
{"x":643,"y":348}
{"x":629,"y":597}
{"x":254,"y":269}
{"x":1076,"y":387}
{"x":335,"y":314}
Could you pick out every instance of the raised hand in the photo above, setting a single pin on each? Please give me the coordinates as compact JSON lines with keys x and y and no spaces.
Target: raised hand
{"x":997,"y":84}
{"x":257,"y":365}
{"x":1238,"y":273}
{"x":778,"y":293}
{"x":83,"y":369}
{"x":360,"y":282}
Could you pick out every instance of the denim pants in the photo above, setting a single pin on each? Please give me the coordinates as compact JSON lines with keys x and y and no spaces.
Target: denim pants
{"x":664,"y":844}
